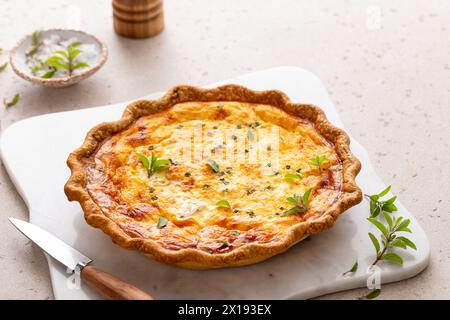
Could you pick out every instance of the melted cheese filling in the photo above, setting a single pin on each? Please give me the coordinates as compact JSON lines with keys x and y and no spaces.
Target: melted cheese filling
{"x":254,"y":146}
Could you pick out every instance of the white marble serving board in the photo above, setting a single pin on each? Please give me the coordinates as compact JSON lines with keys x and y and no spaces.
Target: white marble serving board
{"x":34,"y":152}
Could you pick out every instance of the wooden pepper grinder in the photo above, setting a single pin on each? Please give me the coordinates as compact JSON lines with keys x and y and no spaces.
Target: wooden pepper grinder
{"x":138,"y":18}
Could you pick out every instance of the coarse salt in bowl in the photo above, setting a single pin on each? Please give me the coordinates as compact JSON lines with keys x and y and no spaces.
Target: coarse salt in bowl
{"x":34,"y":65}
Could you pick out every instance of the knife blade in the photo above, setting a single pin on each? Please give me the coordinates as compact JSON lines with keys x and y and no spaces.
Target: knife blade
{"x":106,"y":284}
{"x":53,"y":246}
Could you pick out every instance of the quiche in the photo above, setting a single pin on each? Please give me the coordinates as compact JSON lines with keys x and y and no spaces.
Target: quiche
{"x":212,"y":178}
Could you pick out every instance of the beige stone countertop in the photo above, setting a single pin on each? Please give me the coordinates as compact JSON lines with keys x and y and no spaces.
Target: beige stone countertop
{"x":386,"y":64}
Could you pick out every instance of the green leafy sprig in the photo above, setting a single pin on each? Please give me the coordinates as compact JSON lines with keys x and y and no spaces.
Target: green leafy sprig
{"x":317,"y":161}
{"x":300,"y":203}
{"x":390,"y":239}
{"x":391,"y":235}
{"x":64,"y":60}
{"x":153,"y":164}
{"x":378,"y":206}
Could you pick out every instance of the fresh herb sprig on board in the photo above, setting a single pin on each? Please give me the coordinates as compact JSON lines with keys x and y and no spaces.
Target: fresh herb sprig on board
{"x":392,"y":233}
{"x":390,"y":238}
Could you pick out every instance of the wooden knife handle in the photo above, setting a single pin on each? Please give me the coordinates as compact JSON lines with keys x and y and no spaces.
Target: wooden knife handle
{"x":110,"y":286}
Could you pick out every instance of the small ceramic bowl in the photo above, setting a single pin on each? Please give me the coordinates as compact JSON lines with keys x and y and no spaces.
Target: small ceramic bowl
{"x":17,"y":58}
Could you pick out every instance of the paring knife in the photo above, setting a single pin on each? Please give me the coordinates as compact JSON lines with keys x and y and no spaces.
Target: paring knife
{"x":106,"y":284}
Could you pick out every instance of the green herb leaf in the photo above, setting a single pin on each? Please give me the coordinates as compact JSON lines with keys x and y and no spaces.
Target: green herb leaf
{"x":144,"y":160}
{"x":384,"y":192}
{"x":379,"y":225}
{"x":250,"y":134}
{"x":160,"y":165}
{"x":407,"y":242}
{"x":63,"y":53}
{"x":292,"y":176}
{"x":81,"y":65}
{"x":389,"y":207}
{"x":392,"y":257}
{"x":49,"y":74}
{"x":3,"y":66}
{"x":162,"y":222}
{"x":353,"y":269}
{"x":214,"y":166}
{"x":391,"y":200}
{"x":306,"y":196}
{"x":388,"y":219}
{"x":223,"y":203}
{"x":398,"y":243}
{"x":13,"y":102}
{"x":53,"y":59}
{"x":35,"y":43}
{"x":293,"y":200}
{"x":293,"y":211}
{"x":403,"y":226}
{"x":72,"y":53}
{"x":375,"y":242}
{"x":36,"y":37}
{"x":375,"y":209}
{"x":57,"y":62}
{"x":372,"y":294}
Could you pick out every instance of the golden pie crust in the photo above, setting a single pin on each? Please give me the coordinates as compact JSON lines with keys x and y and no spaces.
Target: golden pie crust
{"x":119,"y":196}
